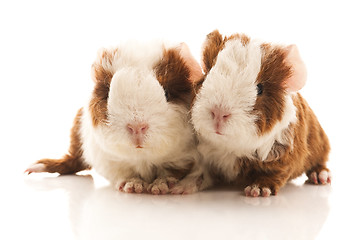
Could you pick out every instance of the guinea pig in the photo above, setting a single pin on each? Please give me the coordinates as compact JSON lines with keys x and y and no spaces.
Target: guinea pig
{"x":135,"y":131}
{"x":253,"y":125}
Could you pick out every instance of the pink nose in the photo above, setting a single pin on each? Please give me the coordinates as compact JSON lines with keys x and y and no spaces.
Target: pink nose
{"x":219,"y":114}
{"x":220,"y":117}
{"x":138,"y":132}
{"x":137,"y":128}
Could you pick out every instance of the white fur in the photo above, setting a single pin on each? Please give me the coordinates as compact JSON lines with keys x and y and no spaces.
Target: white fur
{"x":231,"y":85}
{"x":136,"y":96}
{"x":38,"y":167}
{"x":323,"y":176}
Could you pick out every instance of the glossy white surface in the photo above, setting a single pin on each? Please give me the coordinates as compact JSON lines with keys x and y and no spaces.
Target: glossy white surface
{"x":46,"y":51}
{"x":45,"y":206}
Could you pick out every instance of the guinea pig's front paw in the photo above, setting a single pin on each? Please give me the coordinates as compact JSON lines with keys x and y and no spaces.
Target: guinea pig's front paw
{"x":257,"y":191}
{"x":319,"y":177}
{"x":133,"y":185}
{"x":162,"y":185}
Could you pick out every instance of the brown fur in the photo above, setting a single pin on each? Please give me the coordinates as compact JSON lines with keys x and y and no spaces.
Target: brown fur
{"x":211,"y":47}
{"x":309,"y":153}
{"x":214,"y":44}
{"x":269,"y":105}
{"x":102,"y":78}
{"x":173,"y":74}
{"x":72,"y":162}
{"x":245,"y":39}
{"x":242,"y":37}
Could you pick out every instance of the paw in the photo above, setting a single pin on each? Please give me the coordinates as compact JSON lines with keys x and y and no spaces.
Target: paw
{"x":133,"y":185}
{"x":187,"y":186}
{"x":161,"y":185}
{"x":256,"y":191}
{"x":322,"y":177}
{"x":36,"y":168}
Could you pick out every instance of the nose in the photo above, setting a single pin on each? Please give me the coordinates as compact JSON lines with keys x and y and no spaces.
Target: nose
{"x":138,"y":132}
{"x":137,"y":128}
{"x":220,"y":116}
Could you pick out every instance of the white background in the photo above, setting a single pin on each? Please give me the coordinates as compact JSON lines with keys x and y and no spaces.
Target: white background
{"x":46,"y":50}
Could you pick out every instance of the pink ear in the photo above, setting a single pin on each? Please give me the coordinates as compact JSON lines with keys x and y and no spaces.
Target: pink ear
{"x":299,"y":72}
{"x":191,"y":62}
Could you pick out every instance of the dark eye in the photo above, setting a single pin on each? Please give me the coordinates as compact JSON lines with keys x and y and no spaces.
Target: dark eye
{"x":259,"y":89}
{"x":166,"y":94}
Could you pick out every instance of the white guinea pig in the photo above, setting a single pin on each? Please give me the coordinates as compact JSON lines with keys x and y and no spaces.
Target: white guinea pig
{"x":135,"y":131}
{"x":253,"y":126}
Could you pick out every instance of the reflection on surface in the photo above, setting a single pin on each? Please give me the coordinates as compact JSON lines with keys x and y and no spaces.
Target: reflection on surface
{"x":222,"y":213}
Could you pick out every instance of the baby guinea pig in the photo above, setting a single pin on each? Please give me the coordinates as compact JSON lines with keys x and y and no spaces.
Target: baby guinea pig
{"x":253,"y":126}
{"x":135,"y":130}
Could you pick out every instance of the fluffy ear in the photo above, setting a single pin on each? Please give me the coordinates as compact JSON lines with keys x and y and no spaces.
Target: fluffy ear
{"x":175,"y":73}
{"x":211,"y":47}
{"x":195,"y":71}
{"x":102,"y":68}
{"x":298,"y":68}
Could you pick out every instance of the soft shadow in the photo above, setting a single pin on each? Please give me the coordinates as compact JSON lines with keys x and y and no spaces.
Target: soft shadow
{"x":221,"y":213}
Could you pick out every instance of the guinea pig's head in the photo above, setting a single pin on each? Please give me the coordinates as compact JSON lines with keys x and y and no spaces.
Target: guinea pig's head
{"x":142,"y":96}
{"x":245,"y":97}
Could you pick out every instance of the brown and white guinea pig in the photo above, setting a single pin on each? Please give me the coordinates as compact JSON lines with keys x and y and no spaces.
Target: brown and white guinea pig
{"x":135,"y":130}
{"x":253,"y":126}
